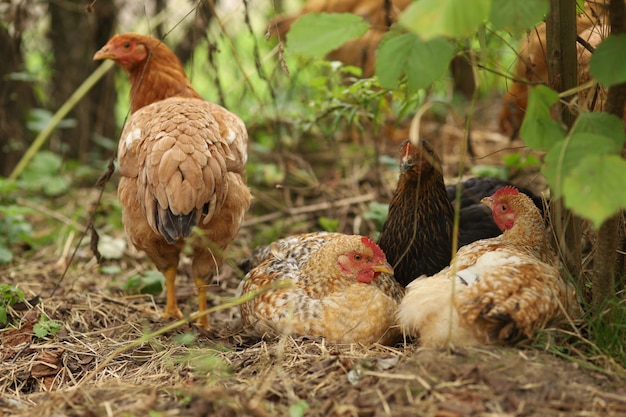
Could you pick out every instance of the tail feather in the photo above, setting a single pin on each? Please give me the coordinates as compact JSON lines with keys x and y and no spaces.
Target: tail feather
{"x":174,"y":227}
{"x":501,"y":328}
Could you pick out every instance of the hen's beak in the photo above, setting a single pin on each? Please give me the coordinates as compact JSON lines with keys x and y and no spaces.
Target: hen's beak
{"x":384,"y":268}
{"x":488,"y":201}
{"x":103,"y":53}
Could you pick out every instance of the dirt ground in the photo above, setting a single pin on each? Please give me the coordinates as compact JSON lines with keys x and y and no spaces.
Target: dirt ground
{"x":114,"y":356}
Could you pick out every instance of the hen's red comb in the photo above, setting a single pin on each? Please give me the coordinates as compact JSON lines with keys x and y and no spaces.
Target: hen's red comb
{"x":378,"y":252}
{"x":507,"y":190}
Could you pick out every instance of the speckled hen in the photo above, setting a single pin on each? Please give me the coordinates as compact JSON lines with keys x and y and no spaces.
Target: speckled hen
{"x":181,"y":161}
{"x":331,"y":285}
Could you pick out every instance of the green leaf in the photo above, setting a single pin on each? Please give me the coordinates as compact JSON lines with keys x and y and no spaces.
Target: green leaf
{"x":316,"y":34}
{"x":514,"y":16}
{"x":490,"y":171}
{"x":110,"y":269}
{"x":608,"y":126}
{"x":592,"y":134}
{"x":329,"y":225}
{"x":595,"y":187}
{"x":607,"y":62}
{"x":405,"y":54}
{"x":149,"y":283}
{"x":40,"y":330}
{"x":450,"y":18}
{"x":539,"y":130}
{"x":56,"y":185}
{"x":6,"y":255}
{"x":3,"y":316}
{"x":298,"y":409}
{"x":10,"y":294}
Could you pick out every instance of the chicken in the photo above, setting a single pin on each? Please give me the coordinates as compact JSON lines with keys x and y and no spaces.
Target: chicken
{"x":531,"y":68}
{"x":336,"y":286}
{"x":417,"y":234}
{"x":359,"y":52}
{"x":495,"y":291}
{"x":476,"y":221}
{"x":181,"y":161}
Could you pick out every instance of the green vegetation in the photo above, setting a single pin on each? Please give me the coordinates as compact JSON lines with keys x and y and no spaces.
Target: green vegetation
{"x":46,"y":327}
{"x":9,"y":295}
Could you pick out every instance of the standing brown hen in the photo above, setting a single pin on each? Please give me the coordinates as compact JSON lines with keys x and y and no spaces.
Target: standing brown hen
{"x":181,"y":161}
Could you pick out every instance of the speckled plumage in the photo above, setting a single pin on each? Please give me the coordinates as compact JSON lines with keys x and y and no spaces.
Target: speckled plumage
{"x":495,"y":291}
{"x":319,"y":299}
{"x":182,"y":165}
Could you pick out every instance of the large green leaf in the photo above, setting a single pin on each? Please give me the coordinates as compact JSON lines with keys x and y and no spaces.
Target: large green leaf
{"x":592,"y":134}
{"x":316,"y":34}
{"x":450,"y":18}
{"x":406,"y":54}
{"x":539,"y":130}
{"x":607,"y":61}
{"x":602,"y":124}
{"x":595,"y":187}
{"x":515,"y":15}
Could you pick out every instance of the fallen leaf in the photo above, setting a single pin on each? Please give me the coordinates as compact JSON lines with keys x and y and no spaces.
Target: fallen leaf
{"x":47,"y":363}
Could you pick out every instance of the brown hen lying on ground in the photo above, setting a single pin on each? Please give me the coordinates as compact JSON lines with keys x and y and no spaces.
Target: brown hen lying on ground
{"x":417,"y":235}
{"x":495,"y":291}
{"x":336,"y":286}
{"x":181,"y":161}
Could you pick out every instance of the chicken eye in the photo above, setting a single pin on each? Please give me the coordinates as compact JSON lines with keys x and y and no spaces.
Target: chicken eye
{"x":503,"y":207}
{"x":357,"y":257}
{"x":127,"y":45}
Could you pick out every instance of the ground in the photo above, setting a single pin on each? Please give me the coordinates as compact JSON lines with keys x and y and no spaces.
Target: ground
{"x":114,"y":355}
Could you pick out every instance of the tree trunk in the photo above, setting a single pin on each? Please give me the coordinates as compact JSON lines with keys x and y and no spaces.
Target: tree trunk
{"x":75,"y":36}
{"x":605,"y":260}
{"x":16,"y":97}
{"x":563,"y":75}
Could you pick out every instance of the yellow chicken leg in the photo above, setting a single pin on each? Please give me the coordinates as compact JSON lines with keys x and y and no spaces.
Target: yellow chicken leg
{"x":203,"y":321}
{"x":171,"y":306}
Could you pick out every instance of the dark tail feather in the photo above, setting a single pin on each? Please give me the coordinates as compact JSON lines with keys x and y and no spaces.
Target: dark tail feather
{"x":502,"y":329}
{"x":174,"y":227}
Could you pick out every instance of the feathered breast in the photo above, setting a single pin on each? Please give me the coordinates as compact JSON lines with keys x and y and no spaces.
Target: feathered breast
{"x":416,"y":236}
{"x":180,"y":151}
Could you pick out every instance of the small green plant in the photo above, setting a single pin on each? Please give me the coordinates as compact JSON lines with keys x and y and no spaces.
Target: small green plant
{"x":14,"y":228}
{"x":607,"y":330}
{"x":329,"y":225}
{"x":46,"y":327}
{"x":517,"y":161}
{"x":206,"y":363}
{"x":150,"y":282}
{"x":377,"y":213}
{"x":298,"y":409}
{"x":44,"y":174}
{"x":9,"y":295}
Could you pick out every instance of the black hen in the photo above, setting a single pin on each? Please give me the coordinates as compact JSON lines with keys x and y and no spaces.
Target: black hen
{"x":417,"y":235}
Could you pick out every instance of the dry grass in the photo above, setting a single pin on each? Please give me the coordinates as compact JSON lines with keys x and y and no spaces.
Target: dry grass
{"x":107,"y":359}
